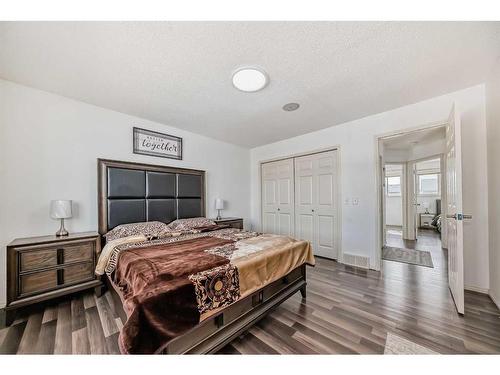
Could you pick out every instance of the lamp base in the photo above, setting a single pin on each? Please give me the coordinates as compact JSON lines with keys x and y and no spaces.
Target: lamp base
{"x":62,"y":231}
{"x":218,"y":215}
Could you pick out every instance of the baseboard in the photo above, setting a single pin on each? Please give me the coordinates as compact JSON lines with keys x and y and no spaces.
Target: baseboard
{"x":477,"y":289}
{"x":495,"y":299}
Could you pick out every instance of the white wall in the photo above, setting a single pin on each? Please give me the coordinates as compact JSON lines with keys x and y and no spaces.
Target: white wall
{"x":394,"y":211}
{"x":425,"y":150}
{"x":493,"y":121}
{"x":357,"y":141}
{"x":419,"y":151}
{"x":48,"y":150}
{"x":394,"y":204}
{"x":429,"y":199}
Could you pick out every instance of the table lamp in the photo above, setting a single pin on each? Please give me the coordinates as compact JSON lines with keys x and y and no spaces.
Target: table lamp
{"x":219,"y":205}
{"x":60,"y":209}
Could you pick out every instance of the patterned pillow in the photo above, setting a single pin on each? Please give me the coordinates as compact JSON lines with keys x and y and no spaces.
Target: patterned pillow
{"x":149,"y":229}
{"x":189,"y":224}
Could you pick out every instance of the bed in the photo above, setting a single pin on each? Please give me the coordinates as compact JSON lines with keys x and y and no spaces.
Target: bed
{"x":193,"y":289}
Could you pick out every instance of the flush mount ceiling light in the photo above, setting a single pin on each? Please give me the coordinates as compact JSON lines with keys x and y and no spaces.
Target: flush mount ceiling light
{"x":250,"y":79}
{"x":291,"y":107}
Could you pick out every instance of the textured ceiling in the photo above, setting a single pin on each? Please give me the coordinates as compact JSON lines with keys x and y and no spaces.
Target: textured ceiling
{"x":179,"y":73}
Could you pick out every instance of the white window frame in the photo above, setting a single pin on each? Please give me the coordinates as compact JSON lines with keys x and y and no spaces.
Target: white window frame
{"x":387,"y":193}
{"x":426,"y":173}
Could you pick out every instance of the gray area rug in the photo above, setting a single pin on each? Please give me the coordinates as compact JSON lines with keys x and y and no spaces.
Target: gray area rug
{"x":418,"y":257}
{"x":399,"y":345}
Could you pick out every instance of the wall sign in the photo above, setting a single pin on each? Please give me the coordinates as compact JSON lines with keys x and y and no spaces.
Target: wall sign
{"x":148,"y":142}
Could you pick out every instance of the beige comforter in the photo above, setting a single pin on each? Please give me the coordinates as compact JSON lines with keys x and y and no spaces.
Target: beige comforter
{"x":266,"y":258}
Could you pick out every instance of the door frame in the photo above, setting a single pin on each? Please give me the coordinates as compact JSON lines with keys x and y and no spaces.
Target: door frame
{"x":338,"y":186}
{"x":442,"y":181}
{"x":403,"y":199}
{"x":378,"y":183}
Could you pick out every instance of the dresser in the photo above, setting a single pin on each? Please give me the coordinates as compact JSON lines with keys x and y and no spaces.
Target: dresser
{"x":42,"y":268}
{"x":234,"y":222}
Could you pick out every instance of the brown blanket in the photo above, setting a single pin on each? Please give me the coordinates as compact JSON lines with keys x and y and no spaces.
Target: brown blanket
{"x":155,"y":285}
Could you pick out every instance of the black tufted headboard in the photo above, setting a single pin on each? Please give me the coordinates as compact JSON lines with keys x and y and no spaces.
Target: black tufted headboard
{"x":132,"y":192}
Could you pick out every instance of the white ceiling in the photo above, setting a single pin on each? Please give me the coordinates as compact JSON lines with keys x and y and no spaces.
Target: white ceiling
{"x":179,"y":73}
{"x":409,"y":140}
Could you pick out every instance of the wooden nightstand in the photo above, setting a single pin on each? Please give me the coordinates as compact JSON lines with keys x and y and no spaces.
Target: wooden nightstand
{"x":234,"y":222}
{"x":42,"y":268}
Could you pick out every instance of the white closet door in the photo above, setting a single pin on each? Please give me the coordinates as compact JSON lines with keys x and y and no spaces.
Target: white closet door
{"x":305,"y":198}
{"x":316,"y":203}
{"x":326,"y":172}
{"x":286,"y":206}
{"x":278,"y":198}
{"x":269,"y":197}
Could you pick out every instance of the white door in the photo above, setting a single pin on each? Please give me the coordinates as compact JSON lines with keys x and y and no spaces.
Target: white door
{"x":316,"y":203}
{"x":269,"y":197}
{"x":278,"y":197}
{"x":411,"y":227}
{"x":383,"y":212}
{"x":454,"y":214}
{"x":304,"y":199}
{"x":416,"y":202}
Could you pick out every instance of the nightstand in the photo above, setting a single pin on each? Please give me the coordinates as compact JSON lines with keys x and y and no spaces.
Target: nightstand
{"x":234,"y":222}
{"x":43,"y":268}
{"x":426,"y":220}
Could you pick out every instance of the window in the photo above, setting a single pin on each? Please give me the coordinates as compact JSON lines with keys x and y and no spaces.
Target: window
{"x":428,"y":184}
{"x":393,"y":186}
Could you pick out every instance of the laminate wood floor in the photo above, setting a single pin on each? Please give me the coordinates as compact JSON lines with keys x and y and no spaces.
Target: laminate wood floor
{"x":347,"y":310}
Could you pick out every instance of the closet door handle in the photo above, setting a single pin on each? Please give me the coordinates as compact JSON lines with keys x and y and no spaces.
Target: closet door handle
{"x":312,"y":210}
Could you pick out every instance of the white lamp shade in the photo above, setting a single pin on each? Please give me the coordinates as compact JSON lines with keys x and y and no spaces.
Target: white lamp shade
{"x":60,"y":209}
{"x":219,"y":204}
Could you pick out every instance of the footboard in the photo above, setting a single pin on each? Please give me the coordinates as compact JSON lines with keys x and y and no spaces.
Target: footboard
{"x":215,"y":332}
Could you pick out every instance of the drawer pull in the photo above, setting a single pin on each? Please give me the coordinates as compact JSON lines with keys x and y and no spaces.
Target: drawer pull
{"x":60,"y":277}
{"x":60,"y":256}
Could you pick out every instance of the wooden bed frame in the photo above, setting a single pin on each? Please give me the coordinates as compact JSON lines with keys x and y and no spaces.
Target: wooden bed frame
{"x":215,"y":332}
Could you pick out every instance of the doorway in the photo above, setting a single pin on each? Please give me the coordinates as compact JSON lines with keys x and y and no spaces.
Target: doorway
{"x":411,"y":146}
{"x":411,"y":169}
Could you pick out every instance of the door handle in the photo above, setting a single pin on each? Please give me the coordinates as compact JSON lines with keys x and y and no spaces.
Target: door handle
{"x":459,"y":217}
{"x":312,"y":210}
{"x":278,"y":209}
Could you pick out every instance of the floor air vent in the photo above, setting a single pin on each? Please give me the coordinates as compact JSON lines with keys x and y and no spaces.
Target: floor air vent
{"x":356,"y":260}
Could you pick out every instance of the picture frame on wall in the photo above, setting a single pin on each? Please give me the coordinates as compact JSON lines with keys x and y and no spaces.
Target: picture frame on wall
{"x":151,"y":143}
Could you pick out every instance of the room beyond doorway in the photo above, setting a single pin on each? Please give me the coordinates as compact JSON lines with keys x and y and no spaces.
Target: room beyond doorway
{"x":411,"y":166}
